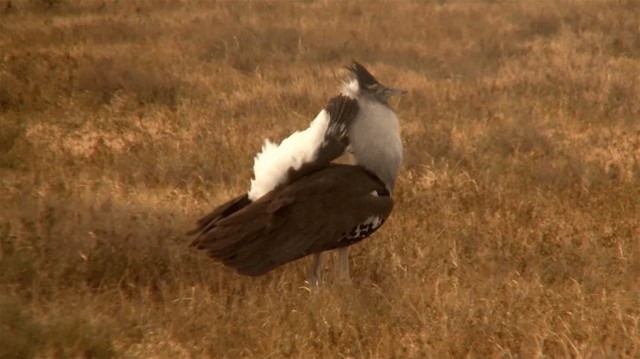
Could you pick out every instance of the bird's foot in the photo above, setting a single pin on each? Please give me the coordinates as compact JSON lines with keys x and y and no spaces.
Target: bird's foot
{"x":314,"y":274}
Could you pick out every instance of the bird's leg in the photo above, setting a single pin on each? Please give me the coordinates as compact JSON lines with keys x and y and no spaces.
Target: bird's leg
{"x":314,"y":274}
{"x":343,"y":265}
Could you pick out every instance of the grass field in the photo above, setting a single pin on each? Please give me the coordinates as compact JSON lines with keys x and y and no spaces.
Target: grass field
{"x":516,"y":228}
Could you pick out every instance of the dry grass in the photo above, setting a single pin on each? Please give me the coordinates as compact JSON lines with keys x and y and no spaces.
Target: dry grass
{"x":516,"y":230}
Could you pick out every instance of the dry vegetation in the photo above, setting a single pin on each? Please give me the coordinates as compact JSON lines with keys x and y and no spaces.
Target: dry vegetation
{"x":516,"y":229}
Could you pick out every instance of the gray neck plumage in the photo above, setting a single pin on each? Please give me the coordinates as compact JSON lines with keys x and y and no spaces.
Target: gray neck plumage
{"x":374,"y":136}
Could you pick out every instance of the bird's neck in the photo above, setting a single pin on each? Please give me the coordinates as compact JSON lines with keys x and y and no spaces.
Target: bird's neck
{"x":375,"y":140}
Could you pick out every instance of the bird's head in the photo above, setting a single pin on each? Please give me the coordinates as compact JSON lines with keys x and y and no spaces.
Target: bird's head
{"x":362,"y":83}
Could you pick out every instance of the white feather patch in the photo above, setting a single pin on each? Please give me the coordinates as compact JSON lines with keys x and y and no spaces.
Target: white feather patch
{"x":271,"y":165}
{"x":374,"y":221}
{"x":351,"y":88}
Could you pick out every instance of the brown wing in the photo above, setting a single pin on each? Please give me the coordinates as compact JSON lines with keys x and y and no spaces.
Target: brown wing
{"x":313,"y":214}
{"x":342,"y":110}
{"x":207,"y":222}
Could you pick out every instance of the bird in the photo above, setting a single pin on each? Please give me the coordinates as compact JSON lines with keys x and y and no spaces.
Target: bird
{"x":300,"y":201}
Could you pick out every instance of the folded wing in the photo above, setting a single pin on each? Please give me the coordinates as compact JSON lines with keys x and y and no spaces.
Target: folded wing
{"x":334,"y":207}
{"x":279,"y":165}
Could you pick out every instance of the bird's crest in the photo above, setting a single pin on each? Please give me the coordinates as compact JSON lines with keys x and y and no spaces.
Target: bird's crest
{"x":362,"y":75}
{"x":361,"y":81}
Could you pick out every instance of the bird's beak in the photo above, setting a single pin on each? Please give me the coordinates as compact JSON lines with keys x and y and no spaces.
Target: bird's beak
{"x":394,"y":92}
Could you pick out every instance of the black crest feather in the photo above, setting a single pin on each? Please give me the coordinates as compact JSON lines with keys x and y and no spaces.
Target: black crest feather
{"x":364,"y":77}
